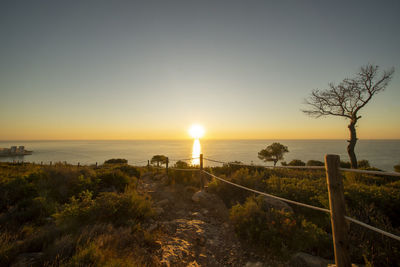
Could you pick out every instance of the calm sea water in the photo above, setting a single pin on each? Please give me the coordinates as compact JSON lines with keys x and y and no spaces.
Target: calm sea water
{"x":383,"y":154}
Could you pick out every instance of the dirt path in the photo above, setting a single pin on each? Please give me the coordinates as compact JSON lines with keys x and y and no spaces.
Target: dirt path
{"x":192,"y":233}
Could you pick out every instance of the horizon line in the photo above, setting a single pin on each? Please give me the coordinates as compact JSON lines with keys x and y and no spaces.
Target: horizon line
{"x":203,"y":139}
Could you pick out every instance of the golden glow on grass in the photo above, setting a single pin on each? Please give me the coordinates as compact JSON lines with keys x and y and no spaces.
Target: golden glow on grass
{"x":196,"y":131}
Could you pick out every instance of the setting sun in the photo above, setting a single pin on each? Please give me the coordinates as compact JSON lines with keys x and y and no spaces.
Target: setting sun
{"x":196,"y":131}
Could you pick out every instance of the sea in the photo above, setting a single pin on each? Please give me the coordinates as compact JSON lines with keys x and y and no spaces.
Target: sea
{"x":382,"y":154}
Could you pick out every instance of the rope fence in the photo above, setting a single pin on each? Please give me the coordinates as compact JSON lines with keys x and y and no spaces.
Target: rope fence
{"x":306,"y":167}
{"x":305,"y":205}
{"x":335,"y":190}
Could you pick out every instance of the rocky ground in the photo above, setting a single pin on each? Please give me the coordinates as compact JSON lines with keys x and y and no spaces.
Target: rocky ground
{"x":194,"y":229}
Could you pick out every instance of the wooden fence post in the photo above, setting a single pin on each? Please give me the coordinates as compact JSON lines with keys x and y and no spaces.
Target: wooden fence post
{"x":201,"y":172}
{"x":338,"y":211}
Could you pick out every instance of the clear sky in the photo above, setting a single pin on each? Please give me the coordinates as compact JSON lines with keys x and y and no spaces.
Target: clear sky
{"x":149,"y":69}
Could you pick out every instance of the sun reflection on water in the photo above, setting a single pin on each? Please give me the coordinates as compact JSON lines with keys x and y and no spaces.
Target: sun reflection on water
{"x":196,"y":151}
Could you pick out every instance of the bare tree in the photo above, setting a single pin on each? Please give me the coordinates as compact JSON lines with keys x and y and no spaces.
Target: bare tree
{"x":347,"y":98}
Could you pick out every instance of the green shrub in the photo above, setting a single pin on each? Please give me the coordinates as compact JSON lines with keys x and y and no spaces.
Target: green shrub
{"x":181,"y":164}
{"x":345,"y":164}
{"x":187,"y":178}
{"x":116,"y":161}
{"x":277,"y":230}
{"x":114,"y":180}
{"x":108,"y":207}
{"x":315,"y":163}
{"x":60,"y":183}
{"x":129,"y":170}
{"x":296,"y":162}
{"x":363,"y":164}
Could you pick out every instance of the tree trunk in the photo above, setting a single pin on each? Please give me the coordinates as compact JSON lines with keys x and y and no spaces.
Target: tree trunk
{"x":275,"y":161}
{"x":352,"y":144}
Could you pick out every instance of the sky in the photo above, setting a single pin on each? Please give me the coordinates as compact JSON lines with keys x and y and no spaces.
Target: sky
{"x":150,"y":69}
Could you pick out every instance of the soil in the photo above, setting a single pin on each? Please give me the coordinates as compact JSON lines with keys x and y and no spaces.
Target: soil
{"x":194,"y":233}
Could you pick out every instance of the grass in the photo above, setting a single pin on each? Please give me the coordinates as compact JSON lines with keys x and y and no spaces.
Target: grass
{"x":371,"y":199}
{"x":75,"y":216}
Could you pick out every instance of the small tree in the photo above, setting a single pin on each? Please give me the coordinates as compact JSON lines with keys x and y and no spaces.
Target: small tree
{"x":181,"y":164}
{"x":273,"y":153}
{"x":159,"y":159}
{"x":347,"y":99}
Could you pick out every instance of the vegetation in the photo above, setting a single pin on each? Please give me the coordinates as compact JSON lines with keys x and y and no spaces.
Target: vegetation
{"x":87,"y":216}
{"x":396,"y":168}
{"x":74,"y":216}
{"x":347,"y":99}
{"x":116,"y":161}
{"x":273,"y":152}
{"x":181,"y":164}
{"x":159,"y":159}
{"x":371,"y":199}
{"x":315,"y":163}
{"x":295,"y":162}
{"x":278,"y":230}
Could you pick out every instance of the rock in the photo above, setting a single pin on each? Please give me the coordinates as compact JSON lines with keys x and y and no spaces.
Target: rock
{"x":201,"y":196}
{"x":28,"y":259}
{"x":277,"y":204}
{"x":212,"y":203}
{"x":159,"y":176}
{"x":158,"y":210}
{"x":302,"y":259}
{"x":204,"y":211}
{"x":163,"y":202}
{"x":198,"y":215}
{"x":254,"y":264}
{"x":152,"y":227}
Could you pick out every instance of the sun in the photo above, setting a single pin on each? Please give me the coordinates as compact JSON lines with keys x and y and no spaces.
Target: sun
{"x":196,"y":131}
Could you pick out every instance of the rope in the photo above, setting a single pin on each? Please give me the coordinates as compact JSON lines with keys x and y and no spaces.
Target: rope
{"x":308,"y":206}
{"x":264,"y":166}
{"x":268,"y":195}
{"x":175,"y":169}
{"x":373,"y":228}
{"x":183,"y":159}
{"x":308,"y":167}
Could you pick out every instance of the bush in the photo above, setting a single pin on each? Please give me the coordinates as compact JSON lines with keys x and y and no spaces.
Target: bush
{"x":114,"y":180}
{"x":108,"y":207}
{"x":181,"y":164}
{"x":363,"y":164}
{"x":315,"y":163}
{"x":296,"y":162}
{"x":60,"y":183}
{"x":345,"y":164}
{"x":277,"y":230}
{"x":130,"y":170}
{"x":116,"y":161}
